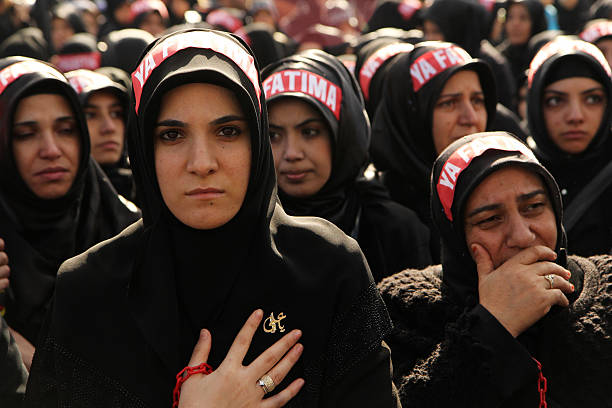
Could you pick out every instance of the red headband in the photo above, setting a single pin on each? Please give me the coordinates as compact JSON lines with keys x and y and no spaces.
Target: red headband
{"x":461,"y":159}
{"x":300,"y":81}
{"x":82,"y":60}
{"x":434,"y":62}
{"x":194,"y":39}
{"x":596,"y":31}
{"x":9,"y":74}
{"x":84,"y":80}
{"x":554,"y":47}
{"x":407,"y":8}
{"x":370,"y":67}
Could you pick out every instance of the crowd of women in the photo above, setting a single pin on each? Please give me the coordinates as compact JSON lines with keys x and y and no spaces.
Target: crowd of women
{"x":201,"y":205}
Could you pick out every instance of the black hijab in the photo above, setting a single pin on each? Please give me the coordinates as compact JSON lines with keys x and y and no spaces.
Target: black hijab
{"x":42,"y":233}
{"x":405,"y":15}
{"x":121,"y":48}
{"x":517,"y":54}
{"x":371,"y":66}
{"x":336,"y":201}
{"x":473,"y":26}
{"x":563,"y":58}
{"x":487,"y":152}
{"x":215,"y":278}
{"x":402,"y":142}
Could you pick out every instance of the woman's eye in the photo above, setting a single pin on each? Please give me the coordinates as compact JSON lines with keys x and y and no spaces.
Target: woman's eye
{"x":594,"y":99}
{"x":310,"y":132}
{"x":229,"y":131}
{"x":478,"y":101}
{"x":169,"y":135}
{"x":275,"y":137}
{"x":116,"y":114}
{"x":533,"y":208}
{"x":488,"y":222}
{"x":447,"y":104}
{"x":552,"y":101}
{"x":89,"y":115}
{"x":22,"y":135}
{"x":67,"y":130}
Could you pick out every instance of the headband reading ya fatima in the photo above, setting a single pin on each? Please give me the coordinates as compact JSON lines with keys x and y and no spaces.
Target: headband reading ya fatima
{"x":85,"y":80}
{"x":461,"y":159}
{"x":194,"y":39}
{"x":372,"y":64}
{"x":309,"y":83}
{"x":9,"y":74}
{"x":432,"y":63}
{"x":565,"y":46}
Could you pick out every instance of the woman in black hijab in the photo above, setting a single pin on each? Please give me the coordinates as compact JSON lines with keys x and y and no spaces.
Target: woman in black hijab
{"x":55,"y":202}
{"x":501,"y":321}
{"x":404,"y":141}
{"x":320,"y":136}
{"x":524,"y":19}
{"x":213,"y":246}
{"x":105,"y":104}
{"x":569,"y":115}
{"x":466,"y":23}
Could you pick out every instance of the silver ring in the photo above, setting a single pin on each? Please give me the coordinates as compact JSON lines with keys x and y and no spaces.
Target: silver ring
{"x":551,"y":280}
{"x":267,"y":383}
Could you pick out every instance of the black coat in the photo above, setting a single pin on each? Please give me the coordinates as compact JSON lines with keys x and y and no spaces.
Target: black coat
{"x":108,"y":343}
{"x":446,"y":355}
{"x":12,"y":370}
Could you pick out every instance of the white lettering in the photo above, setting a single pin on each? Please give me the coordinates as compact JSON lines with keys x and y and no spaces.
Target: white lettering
{"x":427,"y":70}
{"x":316,"y":87}
{"x":277,"y":84}
{"x":416,"y":74}
{"x":291,"y":75}
{"x":331,"y":98}
{"x":452,"y":171}
{"x":440,"y":57}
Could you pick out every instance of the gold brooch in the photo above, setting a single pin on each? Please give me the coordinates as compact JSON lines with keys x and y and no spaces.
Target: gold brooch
{"x":271,"y":323}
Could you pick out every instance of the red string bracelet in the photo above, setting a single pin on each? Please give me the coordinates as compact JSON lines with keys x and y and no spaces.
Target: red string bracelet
{"x":542,"y":385}
{"x":183,"y":375}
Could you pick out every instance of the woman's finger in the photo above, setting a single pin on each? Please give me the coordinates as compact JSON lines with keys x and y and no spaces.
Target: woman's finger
{"x":274,"y":353}
{"x":284,"y":396}
{"x":5,"y":271}
{"x":279,"y":371}
{"x":242,"y":342}
{"x":201,"y":349}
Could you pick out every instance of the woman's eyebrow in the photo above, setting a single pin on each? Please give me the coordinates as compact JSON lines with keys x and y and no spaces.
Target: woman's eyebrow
{"x":488,"y":207}
{"x":171,"y":123}
{"x":26,"y":123}
{"x":528,"y":196}
{"x":599,"y":88}
{"x":227,"y":118}
{"x":307,"y":121}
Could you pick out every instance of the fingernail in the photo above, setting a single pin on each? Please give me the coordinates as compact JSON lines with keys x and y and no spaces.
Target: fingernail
{"x":258,"y":313}
{"x":203,"y":334}
{"x":298,"y":348}
{"x":572,"y":287}
{"x":297,"y":334}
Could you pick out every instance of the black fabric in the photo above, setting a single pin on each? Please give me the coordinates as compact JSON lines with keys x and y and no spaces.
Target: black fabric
{"x":262,"y":40}
{"x":168,"y":281}
{"x":572,"y":20}
{"x":601,"y":9}
{"x":507,"y":120}
{"x":517,"y":54}
{"x":593,"y":233}
{"x":41,"y":233}
{"x":505,"y":83}
{"x":357,"y":206}
{"x":12,"y":371}
{"x":449,"y":350}
{"x":119,"y":173}
{"x":122,"y":48}
{"x":27,"y":42}
{"x":387,"y":14}
{"x":447,"y":355}
{"x":402,"y":143}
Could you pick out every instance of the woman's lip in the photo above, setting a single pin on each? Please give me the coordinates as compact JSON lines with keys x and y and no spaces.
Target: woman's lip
{"x":52,"y":173}
{"x":294,"y":175}
{"x":108,"y":146}
{"x":574,"y":134}
{"x":205,"y":193}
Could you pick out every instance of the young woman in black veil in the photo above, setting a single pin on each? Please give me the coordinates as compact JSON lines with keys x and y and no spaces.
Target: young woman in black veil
{"x":213,"y":246}
{"x":55,"y":201}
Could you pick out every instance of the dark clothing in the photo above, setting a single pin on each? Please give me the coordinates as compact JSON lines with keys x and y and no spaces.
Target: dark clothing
{"x":42,"y":233}
{"x":505,"y":82}
{"x":573,"y":20}
{"x":445,"y":354}
{"x":168,"y":281}
{"x":507,"y":120}
{"x":592,"y":234}
{"x":103,"y":298}
{"x":389,"y":234}
{"x":12,"y":371}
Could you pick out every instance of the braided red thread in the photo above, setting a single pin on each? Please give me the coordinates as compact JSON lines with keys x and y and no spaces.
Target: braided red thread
{"x":183,"y":375}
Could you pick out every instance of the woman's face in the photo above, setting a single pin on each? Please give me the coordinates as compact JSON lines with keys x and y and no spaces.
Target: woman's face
{"x":153,"y":23}
{"x":104,"y":113}
{"x":46,"y":144}
{"x":459,"y":111}
{"x":301,"y":145}
{"x":508,"y":212}
{"x":61,"y":31}
{"x":518,"y":24}
{"x":202,"y":154}
{"x":573,"y":109}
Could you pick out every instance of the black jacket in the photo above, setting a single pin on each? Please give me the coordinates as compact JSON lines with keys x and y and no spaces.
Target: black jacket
{"x":447,"y":355}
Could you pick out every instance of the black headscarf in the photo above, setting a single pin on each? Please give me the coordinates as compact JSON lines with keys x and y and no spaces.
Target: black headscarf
{"x":27,"y":42}
{"x":473,"y":26}
{"x":562,"y":58}
{"x":258,"y":258}
{"x":121,"y":48}
{"x":404,"y":14}
{"x":402,"y":142}
{"x":262,"y":40}
{"x":517,"y":54}
{"x":42,"y":233}
{"x":371,"y":66}
{"x":336,"y":201}
{"x":488,"y":152}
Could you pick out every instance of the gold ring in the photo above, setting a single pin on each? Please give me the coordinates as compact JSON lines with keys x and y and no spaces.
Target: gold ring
{"x":551,"y":280}
{"x":266,"y":383}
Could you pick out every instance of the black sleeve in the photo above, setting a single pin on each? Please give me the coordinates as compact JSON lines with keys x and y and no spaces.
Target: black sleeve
{"x":477,"y":363}
{"x":368,"y":384}
{"x":13,"y":374}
